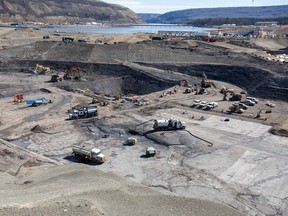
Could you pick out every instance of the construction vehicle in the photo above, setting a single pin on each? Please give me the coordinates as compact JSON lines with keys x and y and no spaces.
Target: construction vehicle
{"x":188,"y":90}
{"x":157,"y":37}
{"x":72,"y":73}
{"x":168,"y":124}
{"x":205,"y":83}
{"x":183,"y":83}
{"x":38,"y":101}
{"x":131,"y":141}
{"x":225,"y":91}
{"x":236,"y":97}
{"x":18,"y":98}
{"x":150,"y":152}
{"x":85,"y":151}
{"x":236,"y":108}
{"x":56,"y":78}
{"x":68,"y":39}
{"x":43,"y":69}
{"x":101,"y":100}
{"x":83,"y":112}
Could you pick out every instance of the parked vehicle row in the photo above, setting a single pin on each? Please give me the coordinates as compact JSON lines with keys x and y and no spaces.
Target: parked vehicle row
{"x":204,"y":104}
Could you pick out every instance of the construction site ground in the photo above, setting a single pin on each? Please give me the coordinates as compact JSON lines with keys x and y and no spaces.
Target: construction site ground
{"x":245,"y":169}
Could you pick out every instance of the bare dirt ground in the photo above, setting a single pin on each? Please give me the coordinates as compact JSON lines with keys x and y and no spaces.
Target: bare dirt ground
{"x":245,"y":169}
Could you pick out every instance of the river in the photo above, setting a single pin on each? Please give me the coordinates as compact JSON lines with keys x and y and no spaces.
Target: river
{"x":96,"y":29}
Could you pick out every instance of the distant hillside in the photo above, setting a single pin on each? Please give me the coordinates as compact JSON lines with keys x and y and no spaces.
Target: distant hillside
{"x":148,"y":16}
{"x":65,"y":11}
{"x":184,"y":16}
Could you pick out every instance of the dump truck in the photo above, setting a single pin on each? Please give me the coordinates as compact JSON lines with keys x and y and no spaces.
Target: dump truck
{"x":87,"y":152}
{"x":38,"y":101}
{"x":168,"y":124}
{"x":83,"y":112}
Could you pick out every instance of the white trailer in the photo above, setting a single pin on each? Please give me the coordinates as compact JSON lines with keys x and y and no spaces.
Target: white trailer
{"x":85,"y":152}
{"x":168,"y":124}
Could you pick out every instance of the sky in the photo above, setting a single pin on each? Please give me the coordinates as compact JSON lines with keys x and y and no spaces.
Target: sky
{"x":162,"y":6}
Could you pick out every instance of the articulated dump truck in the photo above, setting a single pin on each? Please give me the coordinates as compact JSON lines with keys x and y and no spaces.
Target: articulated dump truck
{"x":87,"y":152}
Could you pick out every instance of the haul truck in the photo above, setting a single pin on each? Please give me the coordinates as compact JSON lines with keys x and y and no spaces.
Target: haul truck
{"x":86,"y":152}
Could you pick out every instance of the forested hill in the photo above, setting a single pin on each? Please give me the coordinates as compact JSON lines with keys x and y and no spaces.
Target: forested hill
{"x":184,"y":16}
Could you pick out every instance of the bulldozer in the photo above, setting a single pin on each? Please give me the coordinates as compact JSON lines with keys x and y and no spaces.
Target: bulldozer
{"x":43,"y":70}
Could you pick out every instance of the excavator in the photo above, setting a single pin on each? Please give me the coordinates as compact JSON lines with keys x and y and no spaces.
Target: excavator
{"x":43,"y":69}
{"x":205,"y":83}
{"x":71,"y":73}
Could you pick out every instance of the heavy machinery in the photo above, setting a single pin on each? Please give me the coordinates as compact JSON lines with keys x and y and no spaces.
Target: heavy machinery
{"x":68,"y":39}
{"x":87,"y":152}
{"x":150,"y":152}
{"x":101,"y":100}
{"x":236,"y":108}
{"x":56,"y":78}
{"x":38,"y":101}
{"x":72,"y":73}
{"x":43,"y":69}
{"x":83,"y":112}
{"x":236,"y":97}
{"x":205,"y":83}
{"x":157,"y":37}
{"x":18,"y":98}
{"x":225,"y":91}
{"x":131,"y":141}
{"x":168,"y":124}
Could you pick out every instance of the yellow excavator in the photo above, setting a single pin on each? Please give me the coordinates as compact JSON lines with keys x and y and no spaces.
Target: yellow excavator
{"x":42,"y":69}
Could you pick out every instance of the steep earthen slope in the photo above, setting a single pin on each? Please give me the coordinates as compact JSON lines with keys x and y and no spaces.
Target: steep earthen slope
{"x":75,"y":11}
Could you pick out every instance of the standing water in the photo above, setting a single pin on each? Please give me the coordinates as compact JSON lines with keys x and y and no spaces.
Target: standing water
{"x":96,"y":29}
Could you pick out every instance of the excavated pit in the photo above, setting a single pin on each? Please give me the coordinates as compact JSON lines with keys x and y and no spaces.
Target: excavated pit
{"x":119,"y":79}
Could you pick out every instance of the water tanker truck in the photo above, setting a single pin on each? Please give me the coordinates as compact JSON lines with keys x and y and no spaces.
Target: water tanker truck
{"x":86,"y":152}
{"x":168,"y":124}
{"x":83,"y":112}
